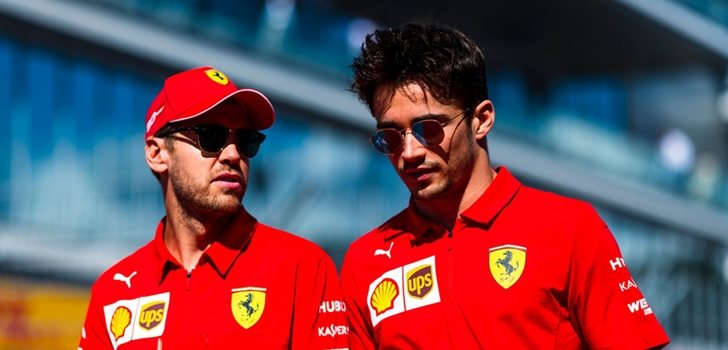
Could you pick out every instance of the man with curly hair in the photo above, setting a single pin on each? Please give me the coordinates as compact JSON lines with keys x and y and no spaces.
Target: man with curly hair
{"x":477,"y":259}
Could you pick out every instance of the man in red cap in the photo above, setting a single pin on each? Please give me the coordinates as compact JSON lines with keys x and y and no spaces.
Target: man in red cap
{"x":213,"y":277}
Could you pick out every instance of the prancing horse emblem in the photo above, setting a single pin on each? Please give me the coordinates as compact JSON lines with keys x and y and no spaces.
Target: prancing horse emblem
{"x":507,"y":263}
{"x":247,"y":305}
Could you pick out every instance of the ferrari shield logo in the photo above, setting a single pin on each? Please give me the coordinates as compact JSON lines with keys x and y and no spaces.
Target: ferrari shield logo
{"x":217,"y":76}
{"x":247,"y":305}
{"x":507,"y":263}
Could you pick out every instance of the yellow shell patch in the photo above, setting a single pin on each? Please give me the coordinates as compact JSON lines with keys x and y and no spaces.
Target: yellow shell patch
{"x":383,"y":296}
{"x":120,"y":321}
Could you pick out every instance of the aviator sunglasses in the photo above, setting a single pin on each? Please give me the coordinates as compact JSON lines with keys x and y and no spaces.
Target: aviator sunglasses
{"x":428,"y":132}
{"x":213,"y":138}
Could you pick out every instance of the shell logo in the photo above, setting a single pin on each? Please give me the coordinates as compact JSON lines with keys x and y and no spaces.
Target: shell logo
{"x":120,"y":321}
{"x":383,"y":296}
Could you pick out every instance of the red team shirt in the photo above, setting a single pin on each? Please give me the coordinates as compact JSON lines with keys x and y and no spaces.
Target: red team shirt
{"x":274,"y":291}
{"x":522,"y":269}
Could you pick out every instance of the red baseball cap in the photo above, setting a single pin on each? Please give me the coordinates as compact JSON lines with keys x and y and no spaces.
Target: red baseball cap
{"x":189,"y":94}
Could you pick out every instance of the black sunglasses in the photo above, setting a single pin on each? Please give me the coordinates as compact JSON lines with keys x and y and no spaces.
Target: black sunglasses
{"x":213,"y":138}
{"x":428,"y":132}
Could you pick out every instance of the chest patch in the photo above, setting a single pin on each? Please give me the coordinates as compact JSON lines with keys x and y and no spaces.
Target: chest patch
{"x":404,"y":288}
{"x":139,"y":318}
{"x":506,"y":264}
{"x":247,"y":305}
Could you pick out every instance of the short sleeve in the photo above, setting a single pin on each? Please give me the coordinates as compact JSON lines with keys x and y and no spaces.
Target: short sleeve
{"x":319,"y":320}
{"x":93,"y":333}
{"x":605,"y":301}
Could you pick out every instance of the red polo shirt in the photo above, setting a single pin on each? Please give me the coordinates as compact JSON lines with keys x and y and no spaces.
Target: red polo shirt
{"x":521,"y":269}
{"x":261,"y":288}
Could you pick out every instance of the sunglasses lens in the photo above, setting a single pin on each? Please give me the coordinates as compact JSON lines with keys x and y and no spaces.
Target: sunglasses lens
{"x":248,"y":142}
{"x":428,"y":132}
{"x":212,"y":137}
{"x":386,"y":141}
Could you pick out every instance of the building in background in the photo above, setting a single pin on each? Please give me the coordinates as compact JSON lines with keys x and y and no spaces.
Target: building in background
{"x":619,"y":102}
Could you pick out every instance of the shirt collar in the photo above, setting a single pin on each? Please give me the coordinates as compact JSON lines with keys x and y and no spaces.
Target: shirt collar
{"x":165,"y":261}
{"x":496,"y":197}
{"x":221,"y":253}
{"x":231,"y":243}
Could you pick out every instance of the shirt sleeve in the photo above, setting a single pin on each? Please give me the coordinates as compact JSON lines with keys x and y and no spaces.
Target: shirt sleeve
{"x":93,"y":333}
{"x":608,"y":308}
{"x":360,"y":330}
{"x":319,"y":320}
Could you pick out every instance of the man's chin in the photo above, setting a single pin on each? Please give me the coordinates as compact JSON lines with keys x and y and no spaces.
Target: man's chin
{"x":227,"y":206}
{"x":426,"y":193}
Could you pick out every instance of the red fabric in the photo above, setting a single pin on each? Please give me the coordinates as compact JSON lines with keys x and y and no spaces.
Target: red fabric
{"x":574,"y":290}
{"x":302,"y":308}
{"x":188,"y":94}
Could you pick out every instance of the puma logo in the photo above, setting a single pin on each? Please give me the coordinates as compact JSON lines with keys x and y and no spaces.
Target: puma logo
{"x":385,"y":252}
{"x":122,"y":278}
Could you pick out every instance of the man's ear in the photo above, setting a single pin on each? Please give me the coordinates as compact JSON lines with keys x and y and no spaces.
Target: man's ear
{"x":155,"y":151}
{"x":483,"y":119}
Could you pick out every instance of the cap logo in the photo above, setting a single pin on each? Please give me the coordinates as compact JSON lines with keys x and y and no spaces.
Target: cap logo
{"x":153,"y":118}
{"x":217,"y":76}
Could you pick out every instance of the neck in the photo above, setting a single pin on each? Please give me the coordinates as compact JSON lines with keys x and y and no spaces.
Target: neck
{"x":446,"y":209}
{"x":187,"y":237}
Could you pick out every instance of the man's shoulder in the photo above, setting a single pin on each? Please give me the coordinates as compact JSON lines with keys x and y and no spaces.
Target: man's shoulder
{"x":141,"y":259}
{"x":561,"y":213}
{"x":376,"y":237}
{"x":288,"y":243}
{"x":555,"y":201}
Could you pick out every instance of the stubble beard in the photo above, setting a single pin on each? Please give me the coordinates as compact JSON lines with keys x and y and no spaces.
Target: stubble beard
{"x":447,"y":182}
{"x":196,"y":199}
{"x":432,"y":191}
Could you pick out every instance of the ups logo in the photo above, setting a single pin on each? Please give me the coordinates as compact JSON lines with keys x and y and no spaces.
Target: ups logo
{"x":152,"y":314}
{"x":419,"y":281}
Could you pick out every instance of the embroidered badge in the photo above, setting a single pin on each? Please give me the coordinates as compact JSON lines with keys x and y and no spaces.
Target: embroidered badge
{"x":402,"y":289}
{"x":217,"y":76}
{"x":139,"y":318}
{"x":419,"y":281}
{"x":382,"y":298}
{"x":247,"y":305}
{"x":507,"y":263}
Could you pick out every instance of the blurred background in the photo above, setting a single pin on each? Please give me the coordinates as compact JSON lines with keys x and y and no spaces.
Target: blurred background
{"x":623,"y":103}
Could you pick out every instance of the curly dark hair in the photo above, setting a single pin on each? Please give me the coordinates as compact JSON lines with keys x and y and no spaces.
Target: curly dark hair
{"x":440,"y":59}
